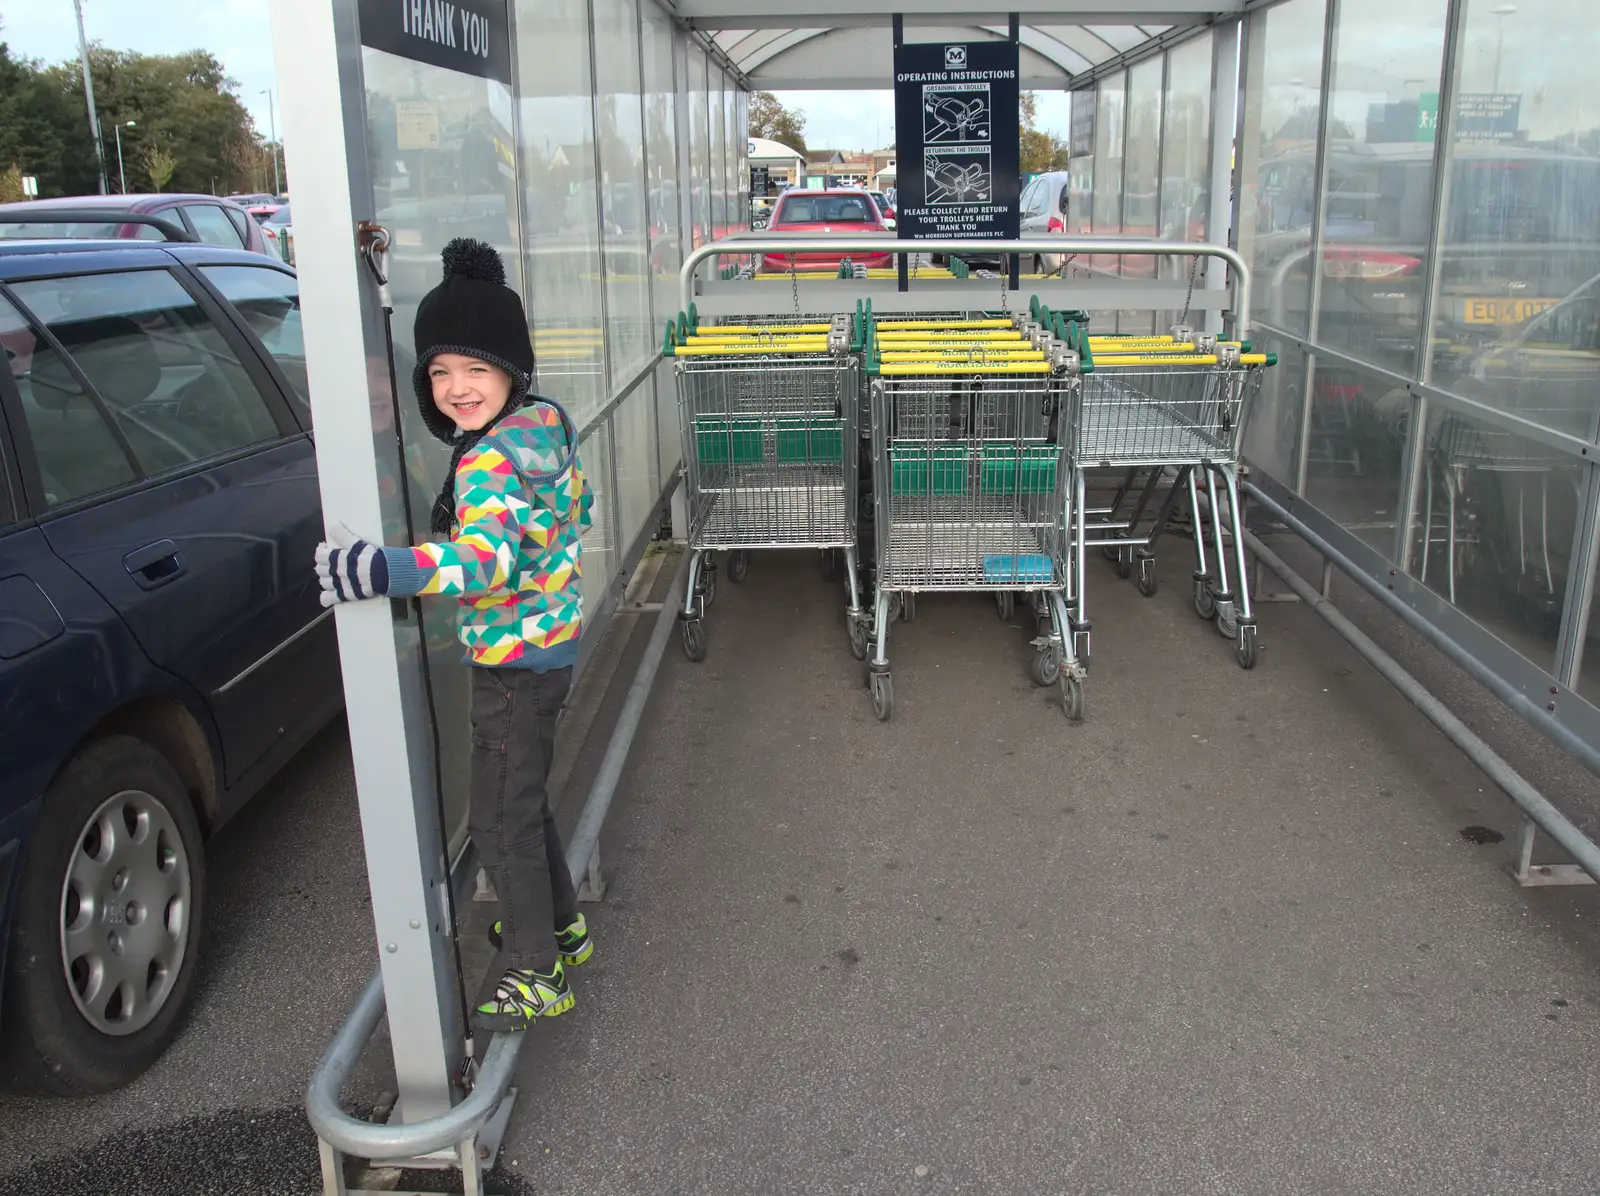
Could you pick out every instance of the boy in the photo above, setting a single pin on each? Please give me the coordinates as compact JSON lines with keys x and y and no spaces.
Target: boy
{"x":510,"y":516}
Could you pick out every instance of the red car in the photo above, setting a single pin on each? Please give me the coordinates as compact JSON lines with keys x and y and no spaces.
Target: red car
{"x":207,"y":218}
{"x":846,"y":213}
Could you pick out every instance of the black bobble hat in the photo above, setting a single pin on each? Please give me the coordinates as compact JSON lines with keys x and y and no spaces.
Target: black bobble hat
{"x":474,"y":313}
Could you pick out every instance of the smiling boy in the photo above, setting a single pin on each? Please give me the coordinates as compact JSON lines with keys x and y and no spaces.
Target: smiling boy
{"x":511,"y":513}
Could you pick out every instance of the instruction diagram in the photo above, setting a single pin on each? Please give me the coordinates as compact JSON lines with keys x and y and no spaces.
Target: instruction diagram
{"x":958,"y":174}
{"x":955,"y":112}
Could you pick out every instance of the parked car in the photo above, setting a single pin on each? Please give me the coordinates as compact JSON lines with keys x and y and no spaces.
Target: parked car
{"x":885,"y":208}
{"x":1043,"y":209}
{"x":162,"y":649}
{"x":278,"y":232}
{"x":254,"y":199}
{"x":842,"y":211}
{"x":206,"y":218}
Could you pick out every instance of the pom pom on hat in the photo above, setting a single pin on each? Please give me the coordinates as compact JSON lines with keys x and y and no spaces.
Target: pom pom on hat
{"x":474,"y":259}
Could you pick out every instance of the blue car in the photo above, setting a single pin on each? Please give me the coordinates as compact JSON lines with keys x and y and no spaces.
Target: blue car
{"x":162,"y":650}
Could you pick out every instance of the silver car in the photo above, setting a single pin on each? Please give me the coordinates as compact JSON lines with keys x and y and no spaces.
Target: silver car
{"x":1044,"y":214}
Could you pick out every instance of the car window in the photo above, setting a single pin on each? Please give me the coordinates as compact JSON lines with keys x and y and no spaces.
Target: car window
{"x":77,"y":452}
{"x":281,"y":216}
{"x":169,"y":379}
{"x":1025,"y":203}
{"x":269,"y":301}
{"x":240,"y":221}
{"x":837,"y":209}
{"x":1061,"y":196}
{"x":212,"y":226}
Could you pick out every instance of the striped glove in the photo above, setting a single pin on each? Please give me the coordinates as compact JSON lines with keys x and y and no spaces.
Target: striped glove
{"x":350,"y":569}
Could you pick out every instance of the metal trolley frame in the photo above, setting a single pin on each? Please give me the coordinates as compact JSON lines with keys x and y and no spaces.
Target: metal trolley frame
{"x":770,"y":455}
{"x":971,"y":492}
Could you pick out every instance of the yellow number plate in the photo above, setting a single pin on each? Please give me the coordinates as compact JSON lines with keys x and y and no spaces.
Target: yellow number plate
{"x":1501,"y":311}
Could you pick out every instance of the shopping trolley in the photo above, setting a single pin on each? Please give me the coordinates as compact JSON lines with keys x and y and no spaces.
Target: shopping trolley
{"x":1170,"y":407}
{"x":770,"y":453}
{"x":970,"y":482}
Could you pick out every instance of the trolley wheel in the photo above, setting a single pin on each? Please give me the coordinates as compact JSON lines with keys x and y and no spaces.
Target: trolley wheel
{"x":1205,"y":604}
{"x":738,"y":565}
{"x":1110,"y":552}
{"x":908,"y":607}
{"x":1045,"y":667}
{"x":1147,"y":575}
{"x":882,"y":697}
{"x":1072,"y":697}
{"x":1005,"y":603}
{"x":694,"y":640}
{"x":1124,"y":562}
{"x":1249,"y":646}
{"x":830,"y":564}
{"x":708,"y":583}
{"x":860,"y":637}
{"x":1227,"y":620}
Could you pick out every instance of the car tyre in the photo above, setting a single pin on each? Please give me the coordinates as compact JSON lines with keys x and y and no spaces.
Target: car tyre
{"x":53,"y":1046}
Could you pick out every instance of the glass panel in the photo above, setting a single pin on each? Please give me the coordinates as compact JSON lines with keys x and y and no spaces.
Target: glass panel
{"x":1185,"y":145}
{"x":428,"y":190}
{"x":741,"y":141}
{"x":169,"y":379}
{"x":1355,"y":450}
{"x":562,"y":239}
{"x":636,"y":489}
{"x":1080,"y":172}
{"x":1379,"y":203}
{"x":699,"y":147}
{"x":627,"y":239}
{"x":1517,"y":324}
{"x":1500,"y":512}
{"x":77,"y":452}
{"x":661,"y":153}
{"x":737,"y":218}
{"x":1587,"y":682}
{"x":212,"y":226}
{"x":669,"y":438}
{"x":1272,"y":430}
{"x":1108,"y":143}
{"x":1141,"y":185}
{"x":269,"y":301}
{"x":1277,"y":168}
{"x":599,"y":553}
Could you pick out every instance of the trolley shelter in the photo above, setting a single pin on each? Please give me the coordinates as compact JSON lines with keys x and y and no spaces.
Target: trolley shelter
{"x":1275,"y":282}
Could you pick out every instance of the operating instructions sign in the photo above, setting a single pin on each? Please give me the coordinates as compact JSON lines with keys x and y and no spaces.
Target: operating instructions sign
{"x":957,"y":119}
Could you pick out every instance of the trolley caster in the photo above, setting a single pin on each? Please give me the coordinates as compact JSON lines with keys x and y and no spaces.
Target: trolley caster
{"x":708,"y":583}
{"x":738,"y":566}
{"x":1124,"y":563}
{"x":694,"y":640}
{"x":1045,"y":668}
{"x":1147,"y":576}
{"x":830,"y":564}
{"x":1205,"y":603}
{"x":908,"y":607}
{"x":1249,"y":646}
{"x":1227,"y":618}
{"x":1081,"y":647}
{"x":1005,"y":603}
{"x":882,"y":696}
{"x":860,"y":636}
{"x":1072,"y":696}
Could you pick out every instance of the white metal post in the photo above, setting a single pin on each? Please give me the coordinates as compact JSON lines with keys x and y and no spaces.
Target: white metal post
{"x":88,"y":97}
{"x":1226,"y":80}
{"x":325,"y":127}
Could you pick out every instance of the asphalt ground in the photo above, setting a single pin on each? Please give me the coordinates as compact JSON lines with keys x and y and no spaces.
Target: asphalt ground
{"x":1224,"y":936}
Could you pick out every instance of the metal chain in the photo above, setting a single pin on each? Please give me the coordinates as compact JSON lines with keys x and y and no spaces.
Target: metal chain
{"x":1005,"y":283}
{"x":794,"y":287}
{"x":1194,"y":268}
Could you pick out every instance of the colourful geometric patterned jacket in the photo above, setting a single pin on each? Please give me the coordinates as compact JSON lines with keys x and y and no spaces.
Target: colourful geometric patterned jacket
{"x":522,"y":504}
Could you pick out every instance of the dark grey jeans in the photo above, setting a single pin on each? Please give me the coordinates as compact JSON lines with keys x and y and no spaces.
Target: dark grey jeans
{"x":513,"y":735}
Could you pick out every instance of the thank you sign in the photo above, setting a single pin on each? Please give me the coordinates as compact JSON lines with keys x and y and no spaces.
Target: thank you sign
{"x":470,"y":36}
{"x":957,"y":122}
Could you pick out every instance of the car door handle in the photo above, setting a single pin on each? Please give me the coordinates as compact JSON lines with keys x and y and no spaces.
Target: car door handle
{"x":154,"y":564}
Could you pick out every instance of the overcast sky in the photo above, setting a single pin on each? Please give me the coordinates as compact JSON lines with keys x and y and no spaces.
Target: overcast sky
{"x":239,"y":34}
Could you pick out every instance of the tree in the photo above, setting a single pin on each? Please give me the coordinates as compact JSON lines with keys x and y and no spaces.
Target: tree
{"x":159,"y":163}
{"x":1040,"y":151}
{"x":770,"y":119}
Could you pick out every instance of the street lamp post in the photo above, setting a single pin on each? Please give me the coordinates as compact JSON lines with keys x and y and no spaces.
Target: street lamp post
{"x":88,"y":96}
{"x":1501,"y":13}
{"x":121,"y":172}
{"x":272,"y":124}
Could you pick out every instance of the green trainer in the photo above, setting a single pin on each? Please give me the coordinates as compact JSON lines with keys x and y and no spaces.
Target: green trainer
{"x":522,"y":996}
{"x":573,"y":942}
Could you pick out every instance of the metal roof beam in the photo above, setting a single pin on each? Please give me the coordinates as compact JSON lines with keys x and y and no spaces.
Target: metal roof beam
{"x":743,"y":14}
